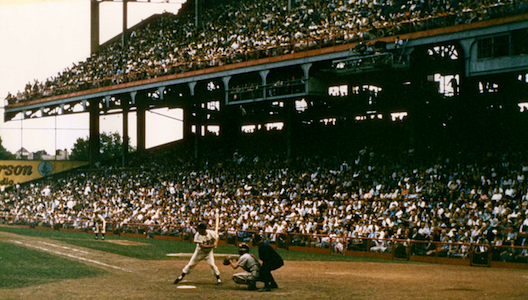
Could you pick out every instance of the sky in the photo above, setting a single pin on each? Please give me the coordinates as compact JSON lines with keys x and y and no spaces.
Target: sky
{"x":40,"y":38}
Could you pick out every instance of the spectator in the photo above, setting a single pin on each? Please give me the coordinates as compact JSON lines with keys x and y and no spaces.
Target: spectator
{"x":233,"y":31}
{"x":312,"y":196}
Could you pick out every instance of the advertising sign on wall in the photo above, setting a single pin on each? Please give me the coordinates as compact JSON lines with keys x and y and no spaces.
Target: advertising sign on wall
{"x":19,"y":171}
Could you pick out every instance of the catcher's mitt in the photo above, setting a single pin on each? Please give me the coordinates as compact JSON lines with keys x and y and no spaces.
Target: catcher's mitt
{"x":227,"y":260}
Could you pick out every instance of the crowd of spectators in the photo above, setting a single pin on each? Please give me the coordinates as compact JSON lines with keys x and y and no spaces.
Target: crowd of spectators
{"x":481,"y":200}
{"x":237,"y":30}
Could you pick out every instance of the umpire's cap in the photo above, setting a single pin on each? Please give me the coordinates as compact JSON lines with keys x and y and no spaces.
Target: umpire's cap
{"x":202,"y":226}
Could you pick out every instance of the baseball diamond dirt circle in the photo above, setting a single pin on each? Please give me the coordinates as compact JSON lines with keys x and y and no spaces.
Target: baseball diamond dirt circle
{"x":130,"y":278}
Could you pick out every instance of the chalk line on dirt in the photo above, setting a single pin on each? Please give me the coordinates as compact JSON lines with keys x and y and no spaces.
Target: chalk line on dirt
{"x":71,"y":256}
{"x":64,"y":247}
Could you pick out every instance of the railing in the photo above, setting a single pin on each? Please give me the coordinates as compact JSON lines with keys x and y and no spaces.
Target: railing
{"x":510,"y":256}
{"x":358,"y":63}
{"x":396,"y":27}
{"x":279,"y":88}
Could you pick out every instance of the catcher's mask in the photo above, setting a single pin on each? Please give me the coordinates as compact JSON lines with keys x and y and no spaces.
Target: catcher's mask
{"x":243,"y":248}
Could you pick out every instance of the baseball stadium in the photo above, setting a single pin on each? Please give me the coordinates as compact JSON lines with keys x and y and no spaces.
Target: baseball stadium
{"x":375,"y":148}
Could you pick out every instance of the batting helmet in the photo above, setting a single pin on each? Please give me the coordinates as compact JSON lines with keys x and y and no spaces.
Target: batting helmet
{"x":243,"y":248}
{"x":202,"y":226}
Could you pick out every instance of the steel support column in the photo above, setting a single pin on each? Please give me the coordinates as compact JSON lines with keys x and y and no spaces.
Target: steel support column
{"x":94,"y":26}
{"x":288,"y":124}
{"x":94,"y":132}
{"x":141,"y":122}
{"x":124,"y":37}
{"x":194,"y":109}
{"x":125,"y":104}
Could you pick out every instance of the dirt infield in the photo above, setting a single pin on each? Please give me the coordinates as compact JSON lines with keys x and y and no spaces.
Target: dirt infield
{"x":127,"y":243}
{"x":130,"y":278}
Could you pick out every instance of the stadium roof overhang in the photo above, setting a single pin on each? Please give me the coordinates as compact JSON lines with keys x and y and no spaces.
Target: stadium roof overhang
{"x":466,"y":35}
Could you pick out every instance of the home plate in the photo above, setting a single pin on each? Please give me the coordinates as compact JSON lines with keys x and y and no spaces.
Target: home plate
{"x":186,"y":287}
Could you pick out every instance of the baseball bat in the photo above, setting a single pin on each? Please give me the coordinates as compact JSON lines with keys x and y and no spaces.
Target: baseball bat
{"x":217,"y":221}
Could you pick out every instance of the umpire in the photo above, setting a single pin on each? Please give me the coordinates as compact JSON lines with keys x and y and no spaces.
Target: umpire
{"x":271,"y":260}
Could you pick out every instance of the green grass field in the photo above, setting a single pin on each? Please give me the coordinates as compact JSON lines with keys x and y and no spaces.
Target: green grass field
{"x":40,"y":264}
{"x":20,"y":267}
{"x":158,"y":249}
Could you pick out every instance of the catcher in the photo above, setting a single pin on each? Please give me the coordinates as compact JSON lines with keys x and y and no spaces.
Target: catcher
{"x":247,"y":262}
{"x":206,"y":241}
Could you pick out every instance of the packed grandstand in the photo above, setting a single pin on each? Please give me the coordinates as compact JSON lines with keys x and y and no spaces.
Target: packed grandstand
{"x":235,"y":31}
{"x":480,"y":199}
{"x":336,"y":201}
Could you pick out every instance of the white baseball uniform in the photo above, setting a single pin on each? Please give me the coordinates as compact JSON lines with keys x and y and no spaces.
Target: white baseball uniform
{"x":99,"y":221}
{"x":200,"y":254}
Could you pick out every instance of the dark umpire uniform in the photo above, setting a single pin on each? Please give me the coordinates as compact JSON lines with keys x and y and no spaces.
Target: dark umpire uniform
{"x":271,"y":260}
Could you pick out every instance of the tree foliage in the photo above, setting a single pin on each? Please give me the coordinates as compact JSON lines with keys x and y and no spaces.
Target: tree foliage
{"x":4,"y":154}
{"x":111,"y":147}
{"x":81,"y":150}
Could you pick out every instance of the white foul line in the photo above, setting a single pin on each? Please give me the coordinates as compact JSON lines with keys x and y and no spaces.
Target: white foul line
{"x":63,"y":247}
{"x":71,"y":256}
